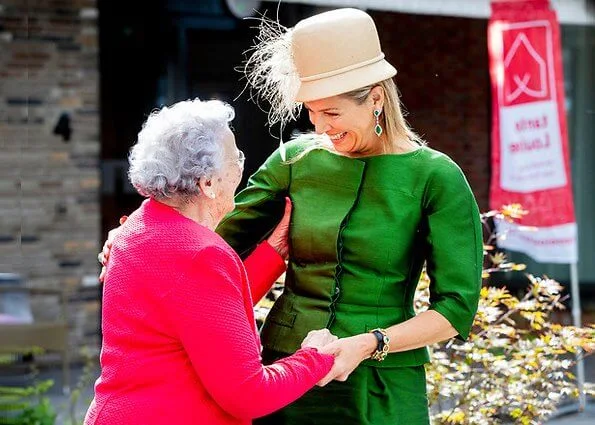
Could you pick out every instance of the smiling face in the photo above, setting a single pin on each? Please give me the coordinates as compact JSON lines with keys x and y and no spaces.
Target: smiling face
{"x":349,"y":125}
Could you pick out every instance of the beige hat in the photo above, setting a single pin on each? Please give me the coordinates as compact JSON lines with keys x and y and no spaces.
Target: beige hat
{"x":328,"y":54}
{"x":336,"y":52}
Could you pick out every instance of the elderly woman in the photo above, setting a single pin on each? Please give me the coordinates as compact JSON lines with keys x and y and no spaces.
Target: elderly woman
{"x":372,"y":204}
{"x":179,"y":339}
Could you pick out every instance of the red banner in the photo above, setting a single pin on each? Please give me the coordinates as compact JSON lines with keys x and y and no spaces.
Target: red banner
{"x":530,"y":162}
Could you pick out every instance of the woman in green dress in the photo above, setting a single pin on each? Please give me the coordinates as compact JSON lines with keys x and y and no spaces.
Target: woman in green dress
{"x":371,"y":205}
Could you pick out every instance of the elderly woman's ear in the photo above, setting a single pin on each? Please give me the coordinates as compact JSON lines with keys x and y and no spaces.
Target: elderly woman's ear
{"x":206,"y":187}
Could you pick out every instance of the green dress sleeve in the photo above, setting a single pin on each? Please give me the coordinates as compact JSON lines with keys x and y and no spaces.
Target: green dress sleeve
{"x":455,"y":247}
{"x":259,"y":207}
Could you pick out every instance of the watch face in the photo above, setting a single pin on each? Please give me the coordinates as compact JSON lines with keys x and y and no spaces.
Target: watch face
{"x":242,"y":8}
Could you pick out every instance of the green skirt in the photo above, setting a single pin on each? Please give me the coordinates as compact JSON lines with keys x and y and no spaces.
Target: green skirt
{"x":371,"y":396}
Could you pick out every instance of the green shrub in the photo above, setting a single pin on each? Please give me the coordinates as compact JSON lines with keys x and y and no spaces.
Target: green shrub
{"x":26,"y":406}
{"x":516,"y":365}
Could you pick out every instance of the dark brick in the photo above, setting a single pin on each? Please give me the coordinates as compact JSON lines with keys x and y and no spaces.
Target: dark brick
{"x":68,"y":47}
{"x":17,"y":101}
{"x":29,"y":239}
{"x":443,"y":77}
{"x":64,"y":264}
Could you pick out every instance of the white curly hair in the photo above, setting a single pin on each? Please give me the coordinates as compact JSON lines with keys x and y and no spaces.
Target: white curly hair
{"x":178,"y":145}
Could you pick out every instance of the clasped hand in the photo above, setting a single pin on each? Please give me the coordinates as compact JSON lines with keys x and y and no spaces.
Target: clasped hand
{"x":348,"y":352}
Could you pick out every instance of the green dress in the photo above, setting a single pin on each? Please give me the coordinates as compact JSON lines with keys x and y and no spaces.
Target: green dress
{"x":361,"y":230}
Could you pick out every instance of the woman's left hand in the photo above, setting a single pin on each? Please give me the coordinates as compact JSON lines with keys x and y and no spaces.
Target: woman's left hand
{"x":279,"y":239}
{"x":103,"y":256}
{"x":349,"y":353}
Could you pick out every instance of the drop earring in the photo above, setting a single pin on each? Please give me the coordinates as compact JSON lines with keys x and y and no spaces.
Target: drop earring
{"x":378,"y":127}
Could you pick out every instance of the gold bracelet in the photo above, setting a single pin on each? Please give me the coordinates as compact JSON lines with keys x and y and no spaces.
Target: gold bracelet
{"x":383,"y":344}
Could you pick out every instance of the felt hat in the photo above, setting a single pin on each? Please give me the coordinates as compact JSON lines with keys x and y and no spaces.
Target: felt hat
{"x":336,"y":52}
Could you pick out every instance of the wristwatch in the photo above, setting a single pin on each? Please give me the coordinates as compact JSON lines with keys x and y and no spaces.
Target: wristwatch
{"x":383,"y":347}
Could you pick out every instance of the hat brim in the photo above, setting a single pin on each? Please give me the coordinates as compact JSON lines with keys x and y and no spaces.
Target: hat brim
{"x":345,"y":82}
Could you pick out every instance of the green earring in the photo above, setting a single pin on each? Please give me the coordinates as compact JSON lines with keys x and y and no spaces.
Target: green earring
{"x":378,"y":127}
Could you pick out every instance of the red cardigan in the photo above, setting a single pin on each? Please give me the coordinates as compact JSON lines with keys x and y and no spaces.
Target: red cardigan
{"x":180,"y":344}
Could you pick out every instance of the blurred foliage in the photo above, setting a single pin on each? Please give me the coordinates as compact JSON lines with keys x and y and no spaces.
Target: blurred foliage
{"x":516,"y":365}
{"x":262,"y":308}
{"x":26,"y":406}
{"x":84,"y":381}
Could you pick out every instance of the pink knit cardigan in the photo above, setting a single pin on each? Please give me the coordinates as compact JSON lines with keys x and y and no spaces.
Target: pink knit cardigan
{"x":180,"y":344}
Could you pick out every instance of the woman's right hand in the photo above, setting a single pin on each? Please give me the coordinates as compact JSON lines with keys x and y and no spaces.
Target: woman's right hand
{"x":103,"y":256}
{"x":318,"y":339}
{"x":279,"y":239}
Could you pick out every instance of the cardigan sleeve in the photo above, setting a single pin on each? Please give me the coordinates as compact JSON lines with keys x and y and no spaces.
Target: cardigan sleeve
{"x":259,"y":207}
{"x":209,"y":310}
{"x":263,"y":267}
{"x":455,"y":248}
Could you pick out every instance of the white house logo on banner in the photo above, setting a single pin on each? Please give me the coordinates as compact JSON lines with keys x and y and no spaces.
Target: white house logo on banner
{"x":523,"y":59}
{"x":529,"y":140}
{"x":531,"y":147}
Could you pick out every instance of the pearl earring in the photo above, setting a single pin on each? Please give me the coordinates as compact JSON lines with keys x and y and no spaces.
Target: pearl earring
{"x":378,"y":127}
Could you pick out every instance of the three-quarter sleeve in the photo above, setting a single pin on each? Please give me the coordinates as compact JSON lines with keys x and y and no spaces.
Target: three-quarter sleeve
{"x":210,"y":309}
{"x":455,"y":249}
{"x":259,"y":207}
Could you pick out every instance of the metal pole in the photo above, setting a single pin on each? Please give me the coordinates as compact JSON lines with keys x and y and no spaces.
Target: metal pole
{"x":576,"y":321}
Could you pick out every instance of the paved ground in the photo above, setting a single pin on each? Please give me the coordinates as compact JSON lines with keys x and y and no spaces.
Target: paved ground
{"x":68,"y":408}
{"x":568,"y":415}
{"x":585,"y":418}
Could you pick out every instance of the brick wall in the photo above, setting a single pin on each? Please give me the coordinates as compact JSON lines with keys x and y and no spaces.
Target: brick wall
{"x":443,"y":77}
{"x":49,"y":205}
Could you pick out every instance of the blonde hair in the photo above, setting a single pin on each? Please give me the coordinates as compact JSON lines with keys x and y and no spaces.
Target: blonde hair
{"x":392,"y":119}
